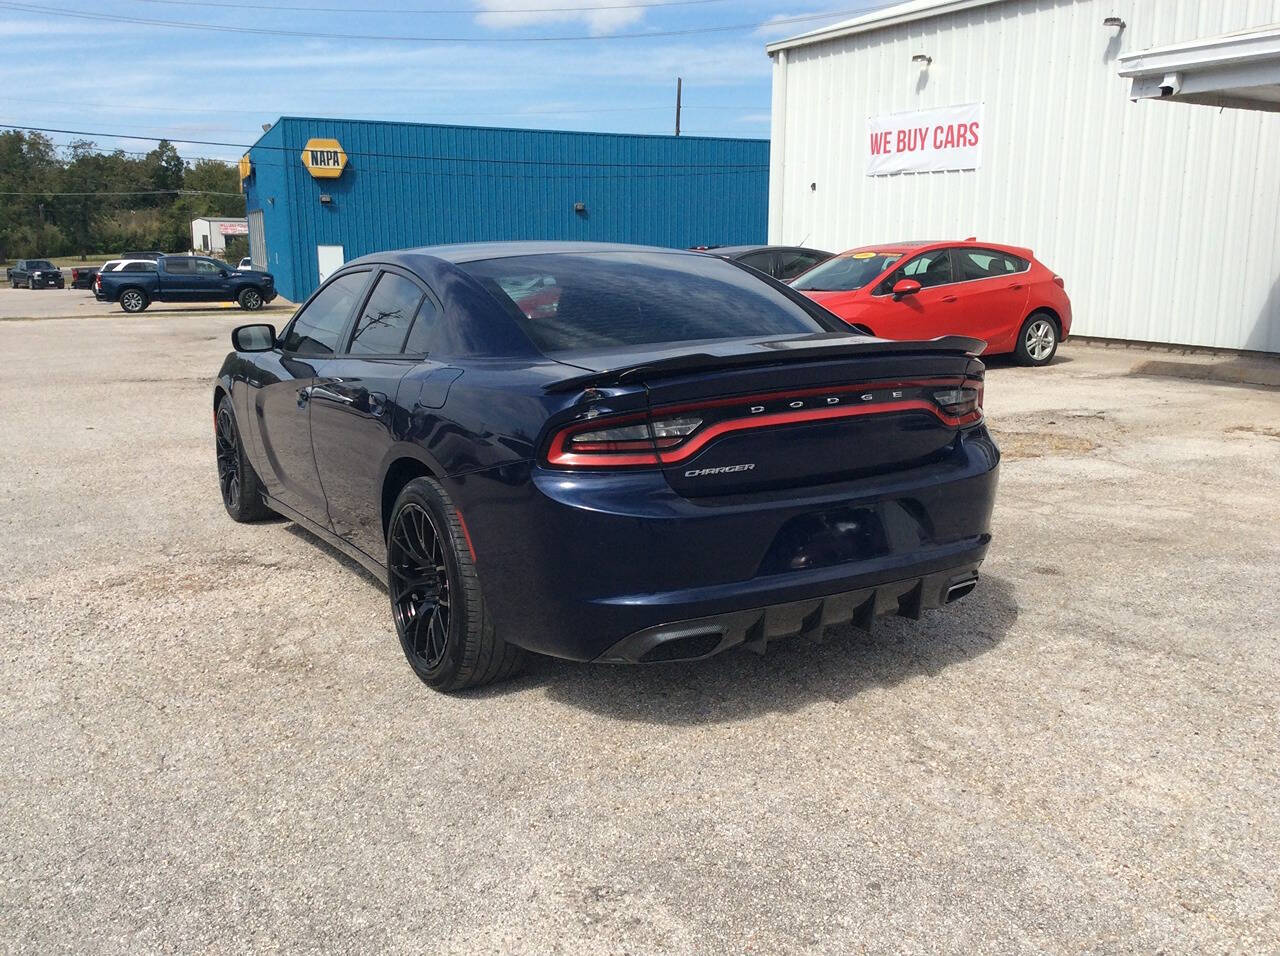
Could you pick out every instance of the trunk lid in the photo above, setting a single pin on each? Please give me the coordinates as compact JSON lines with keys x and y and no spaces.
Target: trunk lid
{"x":785,"y":413}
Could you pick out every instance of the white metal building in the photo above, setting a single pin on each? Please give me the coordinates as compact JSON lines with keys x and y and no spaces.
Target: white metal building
{"x":1133,"y":144}
{"x":209,"y":235}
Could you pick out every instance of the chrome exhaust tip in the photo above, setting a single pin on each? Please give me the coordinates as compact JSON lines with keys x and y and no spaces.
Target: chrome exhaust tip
{"x":958,"y":590}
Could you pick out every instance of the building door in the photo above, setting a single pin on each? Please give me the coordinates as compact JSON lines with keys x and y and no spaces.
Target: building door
{"x":257,"y":241}
{"x":329,"y":259}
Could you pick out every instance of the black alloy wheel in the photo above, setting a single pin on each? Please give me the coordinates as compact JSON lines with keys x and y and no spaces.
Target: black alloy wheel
{"x":227,"y":443}
{"x":420,"y":587}
{"x":239,"y":483}
{"x":440,"y":616}
{"x":250,"y":300}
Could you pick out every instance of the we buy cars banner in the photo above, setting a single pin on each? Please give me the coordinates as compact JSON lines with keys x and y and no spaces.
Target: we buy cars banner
{"x":925,"y":140}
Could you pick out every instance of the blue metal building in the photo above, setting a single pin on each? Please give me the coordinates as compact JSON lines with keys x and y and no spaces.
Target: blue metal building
{"x":395,"y":185}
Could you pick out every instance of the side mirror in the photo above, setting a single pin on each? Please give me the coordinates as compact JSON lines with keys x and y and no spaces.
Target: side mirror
{"x":254,"y":338}
{"x":224,"y":273}
{"x":905,"y":287}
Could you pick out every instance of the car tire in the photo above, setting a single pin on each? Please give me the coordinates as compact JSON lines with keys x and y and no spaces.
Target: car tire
{"x":1037,"y":340}
{"x":133,"y":301}
{"x":436,"y":604}
{"x":250,"y":299}
{"x":241,"y":488}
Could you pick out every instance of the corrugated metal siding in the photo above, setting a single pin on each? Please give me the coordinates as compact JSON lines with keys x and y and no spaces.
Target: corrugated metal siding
{"x":1163,"y":218}
{"x":411,"y":185}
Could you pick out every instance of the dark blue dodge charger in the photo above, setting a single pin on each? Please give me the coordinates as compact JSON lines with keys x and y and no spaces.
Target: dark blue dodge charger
{"x":607,"y":453}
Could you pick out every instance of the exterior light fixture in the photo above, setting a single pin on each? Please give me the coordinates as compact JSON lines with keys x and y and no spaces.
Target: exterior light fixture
{"x":922,"y":59}
{"x":579,"y":207}
{"x":325,"y":199}
{"x":1114,"y":22}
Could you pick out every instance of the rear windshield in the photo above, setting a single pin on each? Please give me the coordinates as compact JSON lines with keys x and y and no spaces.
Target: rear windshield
{"x":596,"y":300}
{"x":846,"y":273}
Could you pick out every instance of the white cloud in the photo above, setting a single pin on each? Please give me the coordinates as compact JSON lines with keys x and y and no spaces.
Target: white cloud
{"x":508,"y":14}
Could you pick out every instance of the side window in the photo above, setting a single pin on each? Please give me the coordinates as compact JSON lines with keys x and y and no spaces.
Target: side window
{"x":761,"y":261}
{"x":179,"y":267}
{"x":419,"y":342}
{"x":794,"y":263}
{"x":985,"y":263}
{"x":386,"y":317}
{"x":318,"y":327}
{"x":928,"y":268}
{"x":206,"y":267}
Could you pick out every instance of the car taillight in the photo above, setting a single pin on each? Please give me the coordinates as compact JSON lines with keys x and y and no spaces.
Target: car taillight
{"x":97,"y":282}
{"x":1057,"y":280}
{"x":673,"y":434}
{"x":963,"y":403}
{"x":620,"y":445}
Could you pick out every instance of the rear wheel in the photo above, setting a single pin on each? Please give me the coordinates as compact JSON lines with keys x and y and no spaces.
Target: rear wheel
{"x":133,"y":300}
{"x":250,"y":300}
{"x":1037,"y":340}
{"x":239,"y":483}
{"x":436,"y":604}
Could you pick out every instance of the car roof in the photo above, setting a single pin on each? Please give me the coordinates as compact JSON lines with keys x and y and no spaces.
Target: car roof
{"x":902,"y":247}
{"x":746,"y":250}
{"x":475,"y":251}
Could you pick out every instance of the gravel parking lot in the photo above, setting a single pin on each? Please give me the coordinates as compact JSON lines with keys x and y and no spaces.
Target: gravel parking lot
{"x":80,"y":303}
{"x":209,"y":737}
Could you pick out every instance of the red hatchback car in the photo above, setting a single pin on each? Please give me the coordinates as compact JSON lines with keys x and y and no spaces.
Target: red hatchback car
{"x":921,"y":290}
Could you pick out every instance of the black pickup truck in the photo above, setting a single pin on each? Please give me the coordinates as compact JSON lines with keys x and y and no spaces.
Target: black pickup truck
{"x":36,"y":274}
{"x":185,"y":279}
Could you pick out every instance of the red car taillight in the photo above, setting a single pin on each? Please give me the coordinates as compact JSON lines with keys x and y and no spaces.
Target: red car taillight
{"x":97,"y":282}
{"x":670,"y":435}
{"x":1057,"y":280}
{"x":962,"y":403}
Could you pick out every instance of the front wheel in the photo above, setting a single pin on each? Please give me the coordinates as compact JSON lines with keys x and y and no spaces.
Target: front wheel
{"x":436,"y":604}
{"x":250,"y":300}
{"x":1037,"y":340}
{"x":133,"y":300}
{"x":239,"y":483}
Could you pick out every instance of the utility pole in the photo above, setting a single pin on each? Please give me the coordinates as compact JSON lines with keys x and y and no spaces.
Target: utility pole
{"x":679,"y":85}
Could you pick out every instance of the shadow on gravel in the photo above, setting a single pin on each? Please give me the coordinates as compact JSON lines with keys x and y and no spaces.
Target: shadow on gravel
{"x":791,"y":675}
{"x":355,"y":567}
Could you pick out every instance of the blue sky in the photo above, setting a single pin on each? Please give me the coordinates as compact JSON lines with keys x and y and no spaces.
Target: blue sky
{"x":152,"y":80}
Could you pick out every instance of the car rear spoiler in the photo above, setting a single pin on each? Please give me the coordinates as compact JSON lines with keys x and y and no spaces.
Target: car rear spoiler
{"x":767,"y":354}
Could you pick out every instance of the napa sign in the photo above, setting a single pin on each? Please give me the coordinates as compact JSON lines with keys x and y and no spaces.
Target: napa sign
{"x":925,"y":141}
{"x":324,"y":158}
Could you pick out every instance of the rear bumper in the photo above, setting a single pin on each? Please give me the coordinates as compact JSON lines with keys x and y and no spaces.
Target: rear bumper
{"x":594,"y":566}
{"x":756,"y":627}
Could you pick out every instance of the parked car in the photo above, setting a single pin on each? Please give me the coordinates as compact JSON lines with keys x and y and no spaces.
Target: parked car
{"x":123,"y":265}
{"x":784,"y":263}
{"x":185,"y":279}
{"x":246,"y":264}
{"x":680,"y":458}
{"x":82,"y":276}
{"x":36,"y":274}
{"x":1000,"y":294}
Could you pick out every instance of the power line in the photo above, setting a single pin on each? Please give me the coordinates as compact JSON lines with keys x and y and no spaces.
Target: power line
{"x":405,"y":116}
{"x":407,"y":38}
{"x":125,"y":192}
{"x":518,"y":11}
{"x":405,"y":156}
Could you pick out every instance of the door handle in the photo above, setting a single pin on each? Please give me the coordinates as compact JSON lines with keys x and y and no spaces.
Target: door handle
{"x":949,"y":298}
{"x":1017,"y":285}
{"x":328,"y":395}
